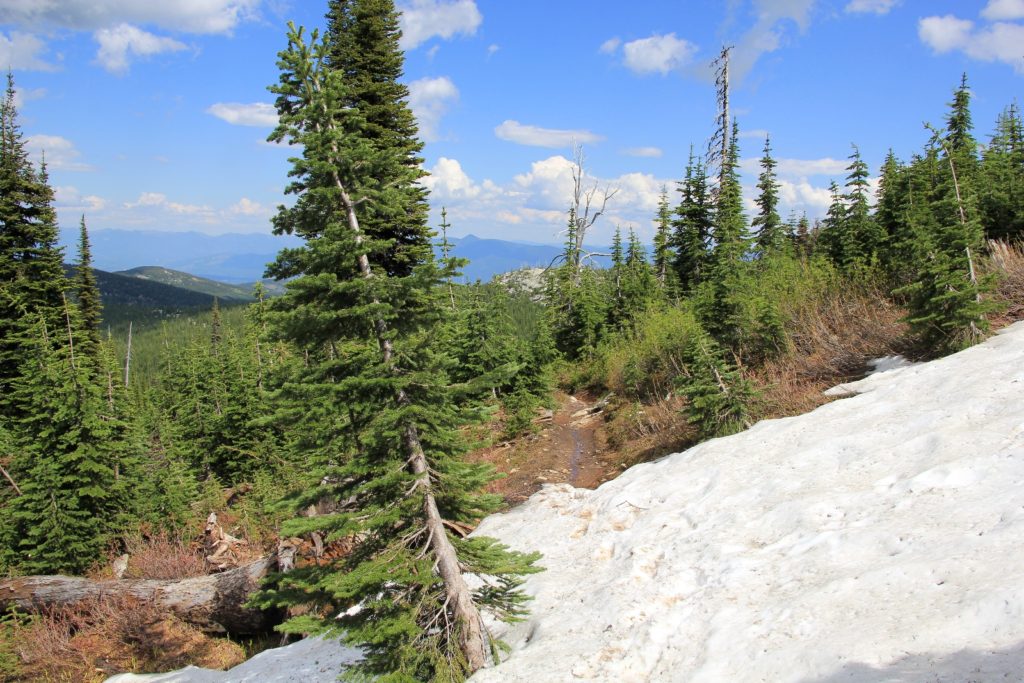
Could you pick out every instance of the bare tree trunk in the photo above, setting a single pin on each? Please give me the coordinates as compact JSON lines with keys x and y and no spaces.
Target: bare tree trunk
{"x":214,"y":603}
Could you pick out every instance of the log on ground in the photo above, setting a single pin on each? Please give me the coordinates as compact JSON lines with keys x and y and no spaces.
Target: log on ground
{"x":214,"y":603}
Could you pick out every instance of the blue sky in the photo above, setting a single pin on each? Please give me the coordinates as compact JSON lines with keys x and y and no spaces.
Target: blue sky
{"x":154,"y":115}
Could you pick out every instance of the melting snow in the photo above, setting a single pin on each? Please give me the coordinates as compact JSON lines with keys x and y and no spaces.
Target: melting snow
{"x":877,"y":538}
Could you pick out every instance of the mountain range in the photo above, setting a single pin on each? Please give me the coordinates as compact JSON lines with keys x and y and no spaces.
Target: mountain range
{"x":242,"y":258}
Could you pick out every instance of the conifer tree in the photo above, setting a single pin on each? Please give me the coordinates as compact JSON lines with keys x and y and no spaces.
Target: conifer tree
{"x":832,"y":239}
{"x":32,"y":279}
{"x":663,"y":241}
{"x":362,"y":38}
{"x":389,"y":449}
{"x":718,"y":395}
{"x":770,"y":235}
{"x":860,"y":236}
{"x":87,"y":290}
{"x":1001,"y":195}
{"x":692,"y":226}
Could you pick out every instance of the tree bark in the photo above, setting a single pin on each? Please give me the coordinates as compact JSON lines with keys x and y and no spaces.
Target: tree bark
{"x":214,"y":603}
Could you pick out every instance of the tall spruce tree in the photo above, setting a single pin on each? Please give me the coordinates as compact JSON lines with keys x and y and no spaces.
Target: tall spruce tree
{"x":32,"y":279}
{"x":87,"y":290}
{"x":692,"y":226}
{"x":362,"y":38}
{"x":388,"y":453}
{"x":771,"y":236}
{"x":1001,"y":194}
{"x":663,"y":241}
{"x":861,"y":237}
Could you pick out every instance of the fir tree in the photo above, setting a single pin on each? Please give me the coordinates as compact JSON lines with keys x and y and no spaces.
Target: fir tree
{"x":663,"y":253}
{"x":718,"y":395}
{"x":87,"y":290}
{"x":861,"y":238}
{"x":770,"y":237}
{"x":692,"y":227}
{"x":389,"y":446}
{"x":32,"y":279}
{"x":1001,"y":196}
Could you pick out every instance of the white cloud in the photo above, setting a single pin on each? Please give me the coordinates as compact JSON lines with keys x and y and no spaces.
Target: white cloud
{"x":60,"y":153}
{"x":756,"y":133}
{"x":21,"y":95}
{"x":247,"y":207}
{"x":648,"y":152}
{"x":1000,"y":41}
{"x":799,"y":168}
{"x":800,"y":195}
{"x":1003,"y":10}
{"x":447,"y":181}
{"x":871,"y":6}
{"x":258,"y":114}
{"x":68,"y":198}
{"x":421,"y":20}
{"x":610,"y":46}
{"x":21,"y":51}
{"x":657,"y":54}
{"x":429,"y":99}
{"x":535,"y":136}
{"x":491,"y":49}
{"x":118,"y":42}
{"x":191,"y":16}
{"x":769,"y":31}
{"x":159,"y":200}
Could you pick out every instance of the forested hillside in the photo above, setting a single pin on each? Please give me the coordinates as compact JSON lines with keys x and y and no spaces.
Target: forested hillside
{"x":342,"y":417}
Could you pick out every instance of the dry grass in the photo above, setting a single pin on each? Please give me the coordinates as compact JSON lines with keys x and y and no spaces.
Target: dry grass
{"x":98,"y":638}
{"x":1007,"y":262}
{"x":161,"y":555}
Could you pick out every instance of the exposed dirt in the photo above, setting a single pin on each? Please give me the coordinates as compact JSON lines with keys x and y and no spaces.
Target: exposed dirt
{"x":570,"y":447}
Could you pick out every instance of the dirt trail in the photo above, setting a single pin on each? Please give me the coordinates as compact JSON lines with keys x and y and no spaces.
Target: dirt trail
{"x":568,"y":449}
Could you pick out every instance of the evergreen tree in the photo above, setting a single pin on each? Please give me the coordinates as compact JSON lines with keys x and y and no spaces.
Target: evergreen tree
{"x":1001,"y":195}
{"x":362,"y":38}
{"x":721,"y":312}
{"x":32,"y":279}
{"x":387,"y":445}
{"x":831,"y":239}
{"x":87,"y":290}
{"x":861,"y":237}
{"x":718,"y":395}
{"x":663,"y":255}
{"x":692,"y":227}
{"x":770,"y":236}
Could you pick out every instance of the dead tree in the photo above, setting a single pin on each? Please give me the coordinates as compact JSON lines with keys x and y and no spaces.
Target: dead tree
{"x":588,"y":204}
{"x":215,"y":603}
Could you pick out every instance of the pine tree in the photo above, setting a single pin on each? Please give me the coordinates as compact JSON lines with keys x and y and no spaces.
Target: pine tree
{"x":1001,"y":197}
{"x":362,"y":38}
{"x":860,"y":236}
{"x":32,"y":279}
{"x":663,"y":254}
{"x":718,"y":395}
{"x":832,"y":239}
{"x":770,"y":236}
{"x":692,"y":227}
{"x":87,"y":290}
{"x":890,"y":212}
{"x":721,"y":313}
{"x":388,"y":445}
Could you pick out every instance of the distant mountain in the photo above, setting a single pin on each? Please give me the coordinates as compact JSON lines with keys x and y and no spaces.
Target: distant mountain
{"x":193,"y":283}
{"x":242,"y":258}
{"x":143,"y":302}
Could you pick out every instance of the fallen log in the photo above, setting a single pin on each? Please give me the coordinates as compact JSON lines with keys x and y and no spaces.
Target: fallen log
{"x":214,"y":603}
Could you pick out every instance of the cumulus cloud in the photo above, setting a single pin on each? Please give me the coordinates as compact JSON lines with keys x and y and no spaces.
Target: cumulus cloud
{"x":248,"y":207}
{"x":429,"y":99}
{"x":68,"y":198}
{"x":769,"y":32}
{"x":1003,"y":10}
{"x":21,"y":51}
{"x":657,"y":54}
{"x":799,"y":168}
{"x":421,"y":20}
{"x":871,"y":6}
{"x":191,"y":16}
{"x":117,"y":43}
{"x":535,"y":136}
{"x":801,"y":195}
{"x":259,"y":114}
{"x":647,"y":152}
{"x":1000,"y":41}
{"x":159,"y":200}
{"x":447,"y":181}
{"x":23,"y":95}
{"x":610,"y":46}
{"x":60,"y":153}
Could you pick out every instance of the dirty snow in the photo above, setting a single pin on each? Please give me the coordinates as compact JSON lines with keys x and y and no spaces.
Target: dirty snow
{"x":878,"y":538}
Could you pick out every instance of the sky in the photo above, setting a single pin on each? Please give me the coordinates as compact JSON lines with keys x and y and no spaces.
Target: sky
{"x":154,"y":115}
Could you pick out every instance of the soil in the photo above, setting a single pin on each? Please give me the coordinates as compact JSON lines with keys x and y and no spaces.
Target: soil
{"x":569,"y":448}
